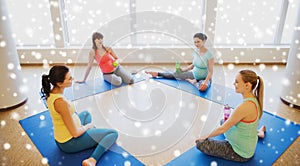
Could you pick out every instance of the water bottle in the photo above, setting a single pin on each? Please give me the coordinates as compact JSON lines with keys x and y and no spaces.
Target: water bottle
{"x":178,"y":70}
{"x":227,"y":111}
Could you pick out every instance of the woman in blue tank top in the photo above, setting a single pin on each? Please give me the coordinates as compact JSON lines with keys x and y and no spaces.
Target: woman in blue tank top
{"x":240,"y":129}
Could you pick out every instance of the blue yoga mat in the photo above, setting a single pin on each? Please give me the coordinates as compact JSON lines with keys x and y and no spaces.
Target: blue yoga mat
{"x":39,"y":129}
{"x":216,"y":93}
{"x":280,"y":133}
{"x":279,"y":136}
{"x":91,"y":87}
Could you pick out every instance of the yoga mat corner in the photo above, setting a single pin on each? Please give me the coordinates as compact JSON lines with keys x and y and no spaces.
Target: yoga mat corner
{"x":39,"y":129}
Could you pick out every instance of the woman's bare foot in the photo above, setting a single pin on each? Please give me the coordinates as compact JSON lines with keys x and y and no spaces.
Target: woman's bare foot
{"x":261,"y":132}
{"x":153,"y":74}
{"x":89,"y":162}
{"x":192,"y":81}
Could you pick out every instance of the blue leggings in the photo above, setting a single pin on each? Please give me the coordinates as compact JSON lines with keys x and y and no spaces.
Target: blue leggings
{"x":102,"y":139}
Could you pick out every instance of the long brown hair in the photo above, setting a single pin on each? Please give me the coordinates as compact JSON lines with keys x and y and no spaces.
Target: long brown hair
{"x":257,"y":86}
{"x":97,"y":35}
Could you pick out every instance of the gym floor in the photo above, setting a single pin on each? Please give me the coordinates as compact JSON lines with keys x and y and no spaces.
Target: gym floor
{"x":160,"y":136}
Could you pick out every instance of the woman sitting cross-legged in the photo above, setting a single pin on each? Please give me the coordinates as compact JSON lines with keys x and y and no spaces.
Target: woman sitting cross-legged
{"x":240,"y":129}
{"x":200,"y":72}
{"x":73,"y":132}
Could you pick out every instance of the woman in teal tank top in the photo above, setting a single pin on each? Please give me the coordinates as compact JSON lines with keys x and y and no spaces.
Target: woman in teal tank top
{"x":200,"y":72}
{"x":240,"y":129}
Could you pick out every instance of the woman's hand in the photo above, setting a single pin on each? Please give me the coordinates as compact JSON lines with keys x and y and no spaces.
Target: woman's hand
{"x":182,"y":69}
{"x":188,"y":68}
{"x":203,"y":86}
{"x":88,"y":126}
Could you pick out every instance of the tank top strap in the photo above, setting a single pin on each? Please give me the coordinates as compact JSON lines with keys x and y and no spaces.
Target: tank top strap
{"x":255,"y":102}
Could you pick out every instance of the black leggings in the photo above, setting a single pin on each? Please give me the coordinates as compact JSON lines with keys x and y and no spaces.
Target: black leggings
{"x":219,"y":148}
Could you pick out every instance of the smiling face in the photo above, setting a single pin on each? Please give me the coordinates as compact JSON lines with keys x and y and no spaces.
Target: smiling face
{"x":239,"y":84}
{"x":198,"y":42}
{"x":98,"y":42}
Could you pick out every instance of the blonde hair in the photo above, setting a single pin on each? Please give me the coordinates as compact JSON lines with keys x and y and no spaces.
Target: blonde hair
{"x":257,"y":86}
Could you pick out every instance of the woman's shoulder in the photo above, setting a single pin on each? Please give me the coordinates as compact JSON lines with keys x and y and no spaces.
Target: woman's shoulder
{"x":251,"y":101}
{"x":92,"y":52}
{"x":54,"y":96}
{"x":247,"y":105}
{"x":109,"y":49}
{"x":209,"y":54}
{"x":59,"y":101}
{"x":59,"y":98}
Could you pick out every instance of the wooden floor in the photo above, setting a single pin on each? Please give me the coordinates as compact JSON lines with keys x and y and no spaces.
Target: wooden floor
{"x":17,"y":148}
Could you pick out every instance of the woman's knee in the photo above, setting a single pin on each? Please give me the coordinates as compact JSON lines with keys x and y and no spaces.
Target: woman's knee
{"x":85,"y":113}
{"x":114,"y":133}
{"x":85,"y":117}
{"x":117,"y":81}
{"x":199,"y":145}
{"x":203,"y":145}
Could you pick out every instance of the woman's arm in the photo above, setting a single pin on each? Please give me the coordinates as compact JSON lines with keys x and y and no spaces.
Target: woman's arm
{"x":112,"y":52}
{"x":210,"y":70}
{"x":237,"y":115}
{"x":62,"y":107}
{"x":89,"y":67}
{"x":204,"y":85}
{"x":190,"y":67}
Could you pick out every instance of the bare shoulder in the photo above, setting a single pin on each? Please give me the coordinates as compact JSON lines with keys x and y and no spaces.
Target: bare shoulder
{"x":60,"y":105}
{"x":109,"y":49}
{"x":60,"y":101}
{"x":245,"y":108}
{"x":92,"y":52}
{"x":249,"y":105}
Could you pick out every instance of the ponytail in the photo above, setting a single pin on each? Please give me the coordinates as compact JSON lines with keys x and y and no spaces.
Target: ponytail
{"x":56,"y":74}
{"x":257,"y":86}
{"x":259,"y":93}
{"x":46,"y":87}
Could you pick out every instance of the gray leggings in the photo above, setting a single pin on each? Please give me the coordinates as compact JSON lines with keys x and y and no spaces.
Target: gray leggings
{"x":219,"y":148}
{"x":183,"y":76}
{"x":118,"y":76}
